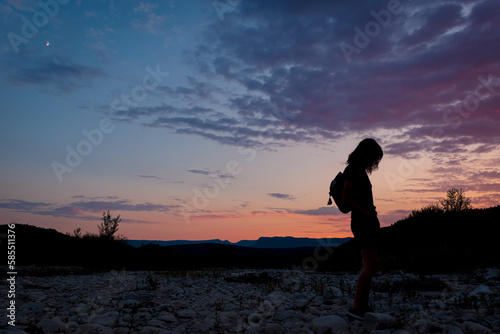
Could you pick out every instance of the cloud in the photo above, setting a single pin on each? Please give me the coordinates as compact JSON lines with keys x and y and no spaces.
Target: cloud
{"x":147,"y":18}
{"x":153,"y":177}
{"x":162,"y":110}
{"x":145,"y":7}
{"x":22,"y":206}
{"x":163,"y":179}
{"x":216,"y":216}
{"x":152,"y":23}
{"x":120,"y":205}
{"x":24,"y":5}
{"x":94,"y":198}
{"x":84,"y":209}
{"x":433,"y":23}
{"x":322,"y":211}
{"x":485,"y":175}
{"x":272,"y":211}
{"x":273,"y":74}
{"x":250,"y":128}
{"x":213,"y":174}
{"x":59,"y":73}
{"x":282,"y":196}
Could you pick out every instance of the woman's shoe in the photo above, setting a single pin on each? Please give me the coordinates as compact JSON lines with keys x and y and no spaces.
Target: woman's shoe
{"x":359,"y":313}
{"x":355,"y":313}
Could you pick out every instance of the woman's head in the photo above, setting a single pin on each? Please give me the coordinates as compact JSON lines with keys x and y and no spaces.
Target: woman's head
{"x":367,"y":155}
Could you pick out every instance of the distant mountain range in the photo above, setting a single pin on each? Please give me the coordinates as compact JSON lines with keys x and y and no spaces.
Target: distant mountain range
{"x":262,"y":242}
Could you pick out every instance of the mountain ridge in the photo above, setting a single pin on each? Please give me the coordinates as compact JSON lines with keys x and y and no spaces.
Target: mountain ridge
{"x":262,"y":242}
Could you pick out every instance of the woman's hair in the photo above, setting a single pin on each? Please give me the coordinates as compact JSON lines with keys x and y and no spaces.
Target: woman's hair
{"x":367,"y":155}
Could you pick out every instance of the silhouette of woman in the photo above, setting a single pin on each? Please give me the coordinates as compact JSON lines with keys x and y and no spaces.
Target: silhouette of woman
{"x":357,"y":193}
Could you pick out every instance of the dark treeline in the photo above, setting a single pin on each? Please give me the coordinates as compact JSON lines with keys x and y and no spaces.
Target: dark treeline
{"x":432,"y":242}
{"x":48,"y":247}
{"x":428,"y":242}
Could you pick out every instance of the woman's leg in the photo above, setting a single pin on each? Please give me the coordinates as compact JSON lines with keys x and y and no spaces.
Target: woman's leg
{"x":369,"y":262}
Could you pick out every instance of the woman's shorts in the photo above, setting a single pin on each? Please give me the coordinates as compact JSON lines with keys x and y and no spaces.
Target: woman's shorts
{"x":366,"y":232}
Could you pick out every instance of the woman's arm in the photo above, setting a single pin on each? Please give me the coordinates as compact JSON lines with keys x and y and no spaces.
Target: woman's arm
{"x":347,"y":199}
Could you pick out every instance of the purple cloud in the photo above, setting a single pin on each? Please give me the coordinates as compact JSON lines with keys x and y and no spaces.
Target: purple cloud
{"x":282,"y":196}
{"x":322,"y":211}
{"x":83,"y":209}
{"x":273,"y":74}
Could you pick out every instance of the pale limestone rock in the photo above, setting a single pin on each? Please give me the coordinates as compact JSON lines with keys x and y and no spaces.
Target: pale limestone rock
{"x":330,"y":324}
{"x":93,"y":328}
{"x":167,"y":317}
{"x":374,"y":321}
{"x":54,"y":325}
{"x":470,"y":327}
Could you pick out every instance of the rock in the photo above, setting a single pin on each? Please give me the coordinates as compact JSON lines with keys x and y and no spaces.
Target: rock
{"x":71,"y":327}
{"x":273,"y":328}
{"x":470,"y":317}
{"x":180,"y":329}
{"x":165,"y":307}
{"x":14,"y":330}
{"x":83,"y":308}
{"x":300,"y":303}
{"x":93,"y":328}
{"x":328,"y":297}
{"x":186,"y":314}
{"x":88,"y":304}
{"x":329,"y":324}
{"x":142,"y":296}
{"x":153,"y":330}
{"x":54,"y":325}
{"x":167,"y":317}
{"x":229,"y":317}
{"x":302,"y":316}
{"x":293,"y":324}
{"x":450,"y":329}
{"x":481,"y":290}
{"x":156,"y":323}
{"x":491,"y":273}
{"x":423,"y":326}
{"x":254,"y":318}
{"x":32,"y":307}
{"x":129,"y":303}
{"x":107,"y":320}
{"x":254,"y":328}
{"x":314,"y":311}
{"x":200,"y":327}
{"x":374,"y":321}
{"x":470,"y":327}
{"x":441,"y":305}
{"x":280,"y":316}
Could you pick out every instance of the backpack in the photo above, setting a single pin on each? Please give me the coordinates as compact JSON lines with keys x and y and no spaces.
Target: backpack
{"x":336,"y":188}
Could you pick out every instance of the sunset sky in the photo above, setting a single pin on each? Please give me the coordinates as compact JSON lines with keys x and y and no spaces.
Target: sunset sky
{"x":228,"y":119}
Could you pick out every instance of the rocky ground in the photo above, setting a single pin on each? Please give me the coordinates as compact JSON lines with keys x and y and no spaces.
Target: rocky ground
{"x":252,"y":302}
